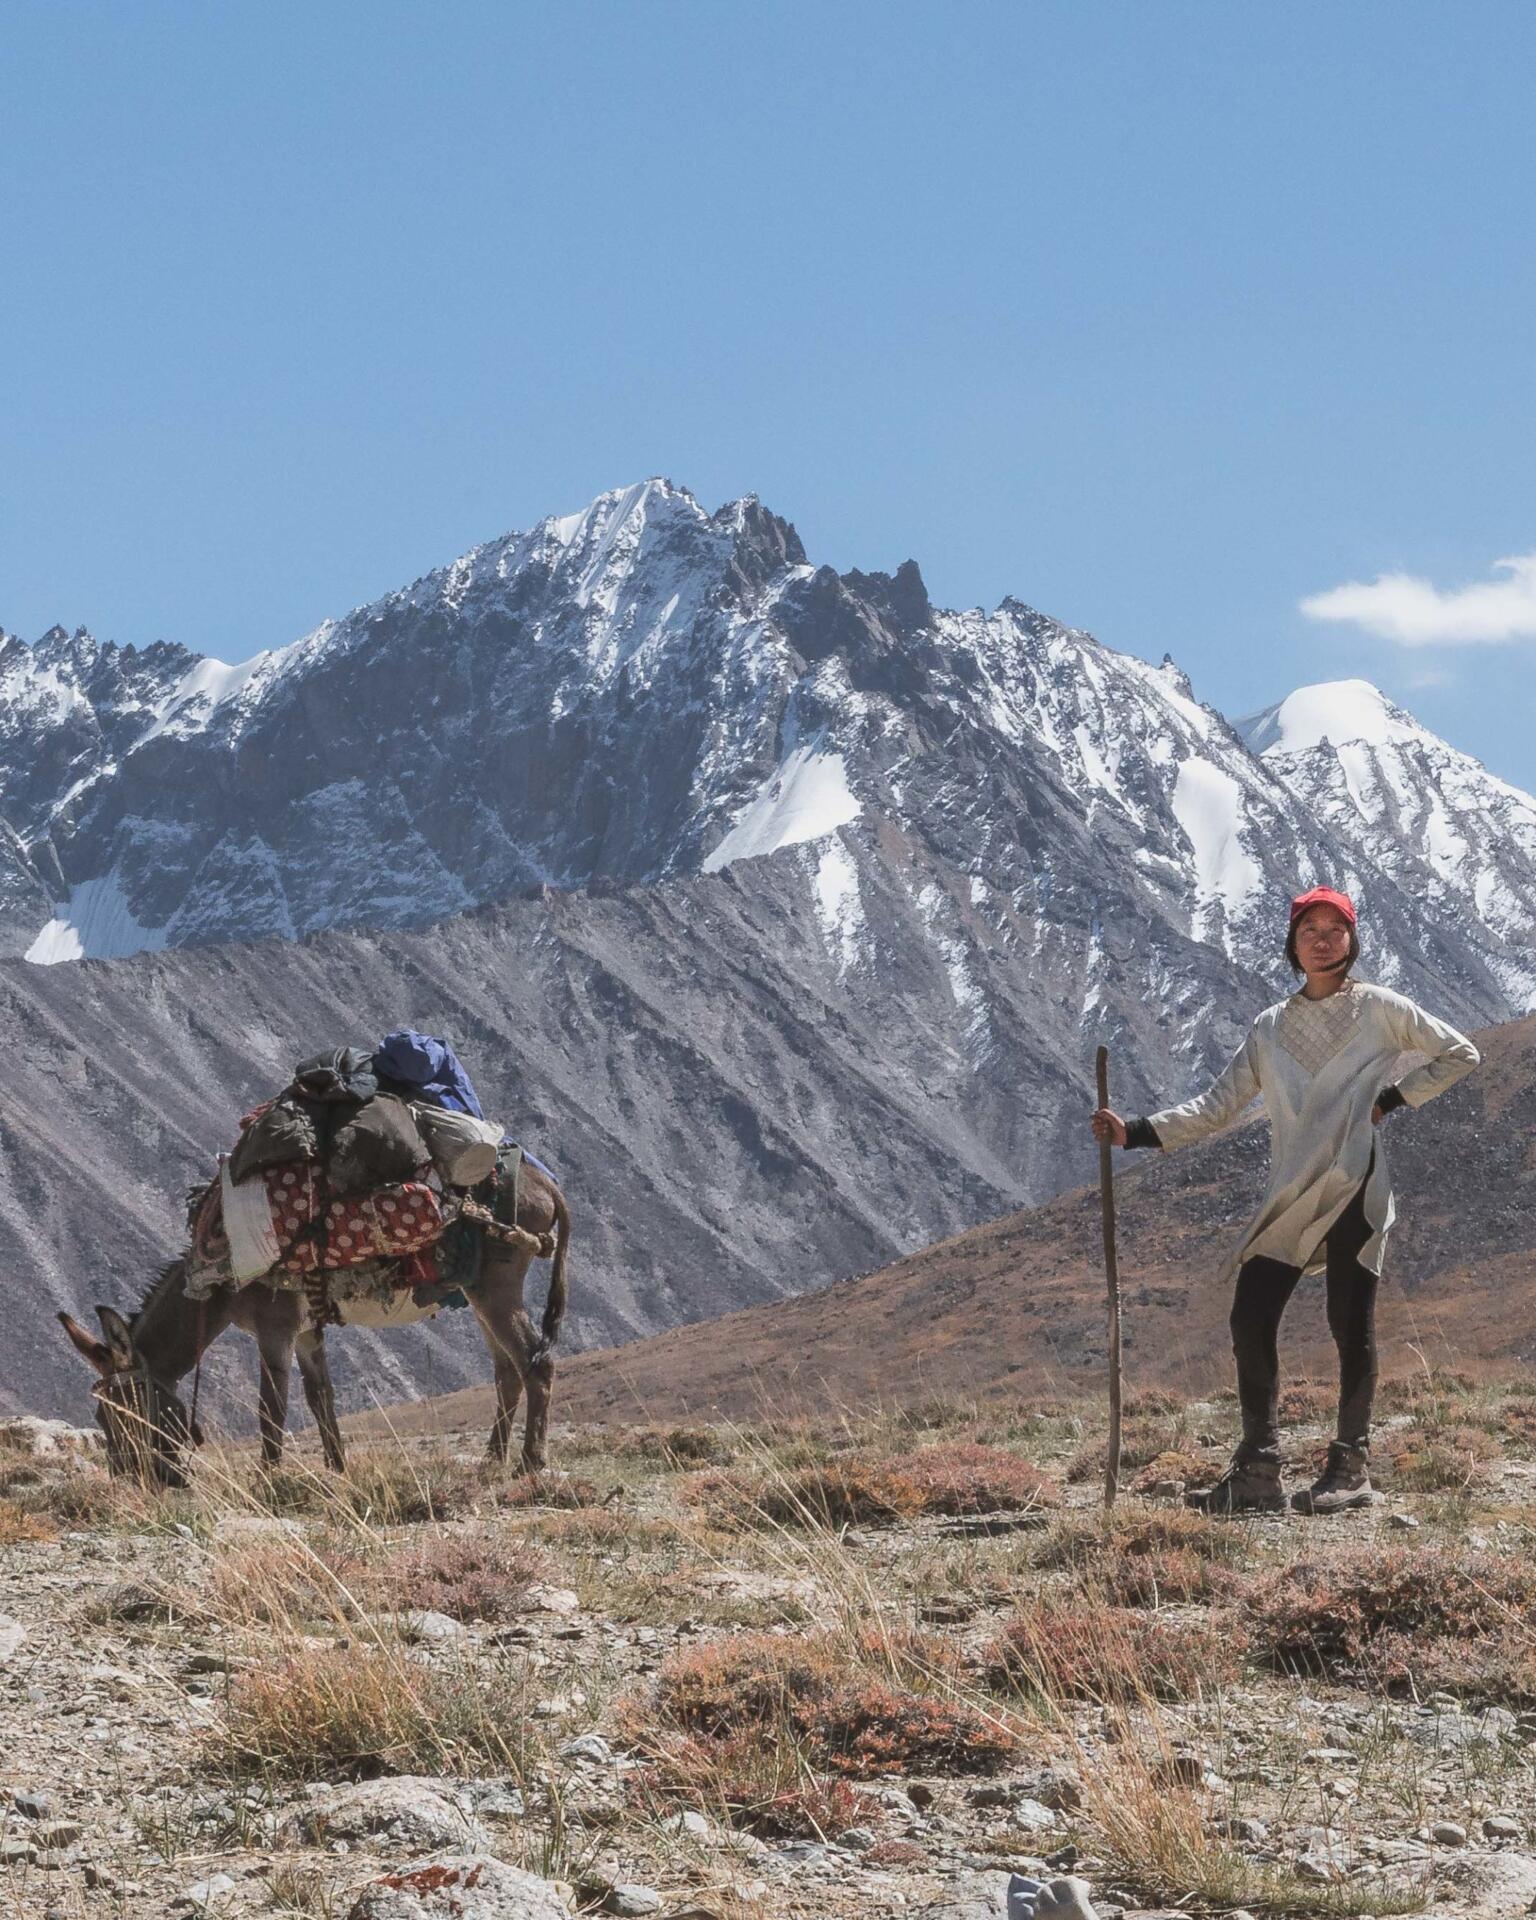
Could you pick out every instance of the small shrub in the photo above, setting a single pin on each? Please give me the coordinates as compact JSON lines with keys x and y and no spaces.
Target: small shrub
{"x":1141,"y":1441}
{"x":762,"y":1785}
{"x":963,"y":1479}
{"x":1319,"y":1619}
{"x":597,"y":1529}
{"x":1304,"y":1404}
{"x":836,"y":1493}
{"x":562,"y":1490}
{"x":1142,"y":1401}
{"x":1413,"y":1392}
{"x":17,"y":1525}
{"x":466,"y":1576}
{"x":1177,"y":1463}
{"x":1440,"y":1459}
{"x":1065,"y":1650}
{"x":893,"y":1853}
{"x":1497,"y":1670}
{"x":1167,"y":1577}
{"x":842,"y":1718}
{"x":91,"y":1498}
{"x":936,"y":1414}
{"x":1086,"y":1543}
{"x":674,"y":1447}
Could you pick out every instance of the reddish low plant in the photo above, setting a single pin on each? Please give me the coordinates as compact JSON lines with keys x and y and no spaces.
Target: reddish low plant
{"x":549,"y":1490}
{"x":1141,"y":1401}
{"x":1180,"y":1464}
{"x":964,"y":1478}
{"x":467,"y":1576}
{"x":760,"y":1785}
{"x":851,"y":1491}
{"x":17,"y":1525}
{"x":1072,"y":1650}
{"x":1439,"y":1459}
{"x":1495,"y":1669}
{"x":1323,"y":1618}
{"x":1303,"y":1403}
{"x":839,"y":1715}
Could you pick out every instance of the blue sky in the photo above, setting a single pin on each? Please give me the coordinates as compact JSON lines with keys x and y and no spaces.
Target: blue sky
{"x":1164,"y":317}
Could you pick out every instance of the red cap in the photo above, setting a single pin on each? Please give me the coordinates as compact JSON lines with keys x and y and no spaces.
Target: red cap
{"x":1323,"y":897}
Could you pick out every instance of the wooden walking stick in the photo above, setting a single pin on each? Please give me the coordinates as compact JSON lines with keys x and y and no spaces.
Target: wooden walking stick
{"x":1112,"y":1275}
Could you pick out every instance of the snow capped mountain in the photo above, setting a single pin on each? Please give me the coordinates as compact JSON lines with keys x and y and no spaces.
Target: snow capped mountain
{"x":1060,"y":834}
{"x":1397,"y":795}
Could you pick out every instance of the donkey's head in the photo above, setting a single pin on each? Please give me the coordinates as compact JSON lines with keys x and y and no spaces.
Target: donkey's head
{"x":146,"y":1426}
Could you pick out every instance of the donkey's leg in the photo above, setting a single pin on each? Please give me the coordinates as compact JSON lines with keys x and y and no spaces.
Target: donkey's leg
{"x":498,"y":1304}
{"x":540,"y":1383}
{"x":315,"y":1372}
{"x":276,"y":1327}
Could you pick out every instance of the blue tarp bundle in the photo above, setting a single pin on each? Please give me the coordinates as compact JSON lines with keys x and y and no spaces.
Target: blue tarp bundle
{"x":429,"y":1068}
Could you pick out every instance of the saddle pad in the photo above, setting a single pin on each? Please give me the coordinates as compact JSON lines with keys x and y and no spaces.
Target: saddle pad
{"x":381,"y":1225}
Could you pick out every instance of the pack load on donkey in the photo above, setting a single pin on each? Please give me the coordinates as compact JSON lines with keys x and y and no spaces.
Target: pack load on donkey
{"x":349,"y":1185}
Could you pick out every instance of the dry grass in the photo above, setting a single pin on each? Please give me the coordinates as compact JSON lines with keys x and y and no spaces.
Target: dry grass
{"x":1160,"y":1838}
{"x":19,"y":1525}
{"x":867,"y":1490}
{"x":384,"y":1487}
{"x":358,"y":1710}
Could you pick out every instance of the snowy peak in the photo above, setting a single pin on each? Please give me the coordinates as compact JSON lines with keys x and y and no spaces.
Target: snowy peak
{"x":1391,"y":792}
{"x":1340,"y":712}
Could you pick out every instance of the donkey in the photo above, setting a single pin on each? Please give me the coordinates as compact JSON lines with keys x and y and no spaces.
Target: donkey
{"x":143,"y":1360}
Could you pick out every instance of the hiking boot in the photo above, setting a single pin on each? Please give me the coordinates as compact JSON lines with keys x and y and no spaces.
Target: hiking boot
{"x":1344,"y":1483}
{"x":1250,"y":1485}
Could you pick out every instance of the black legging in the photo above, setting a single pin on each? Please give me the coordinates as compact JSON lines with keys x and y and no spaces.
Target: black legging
{"x":1263,"y":1288}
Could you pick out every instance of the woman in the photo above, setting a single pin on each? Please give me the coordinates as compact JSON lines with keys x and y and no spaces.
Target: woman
{"x":1320,"y":1059}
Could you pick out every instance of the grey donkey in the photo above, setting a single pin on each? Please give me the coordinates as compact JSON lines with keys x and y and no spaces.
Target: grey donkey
{"x":141,"y":1361}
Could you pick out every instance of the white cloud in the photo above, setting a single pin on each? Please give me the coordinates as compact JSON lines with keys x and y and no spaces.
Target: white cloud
{"x":1417,"y":613}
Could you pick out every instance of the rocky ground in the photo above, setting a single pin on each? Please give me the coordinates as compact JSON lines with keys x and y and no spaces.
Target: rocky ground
{"x":867,"y":1666}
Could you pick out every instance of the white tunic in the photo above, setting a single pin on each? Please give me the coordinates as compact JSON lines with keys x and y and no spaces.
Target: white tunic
{"x":1319,"y":1065}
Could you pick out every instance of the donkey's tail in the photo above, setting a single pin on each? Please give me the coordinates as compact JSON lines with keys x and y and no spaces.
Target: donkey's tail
{"x":555,"y":1304}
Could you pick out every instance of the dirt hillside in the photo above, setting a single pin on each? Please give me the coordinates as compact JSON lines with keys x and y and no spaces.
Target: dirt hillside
{"x":1016,"y":1306}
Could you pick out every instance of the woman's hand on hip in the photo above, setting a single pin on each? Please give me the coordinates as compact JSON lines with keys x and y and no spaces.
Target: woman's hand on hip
{"x":1108,"y":1126}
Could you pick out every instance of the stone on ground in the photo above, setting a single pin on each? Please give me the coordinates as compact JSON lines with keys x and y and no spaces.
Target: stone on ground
{"x":459,"y":1886}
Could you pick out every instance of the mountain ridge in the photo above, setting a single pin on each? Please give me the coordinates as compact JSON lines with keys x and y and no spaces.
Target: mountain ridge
{"x":604,"y":697}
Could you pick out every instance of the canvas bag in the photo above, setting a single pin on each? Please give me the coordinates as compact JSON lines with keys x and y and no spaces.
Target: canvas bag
{"x":463,"y":1149}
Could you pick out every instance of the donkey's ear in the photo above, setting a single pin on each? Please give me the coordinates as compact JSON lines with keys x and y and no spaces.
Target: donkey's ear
{"x":119,"y":1339}
{"x":99,"y":1356}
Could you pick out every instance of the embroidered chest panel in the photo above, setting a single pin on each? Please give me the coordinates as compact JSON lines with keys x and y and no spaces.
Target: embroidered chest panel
{"x":1312,"y":1031}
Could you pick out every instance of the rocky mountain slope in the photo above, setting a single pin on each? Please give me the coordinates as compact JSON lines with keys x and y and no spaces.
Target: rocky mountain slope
{"x":1015,"y":1307}
{"x":730,"y":1119}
